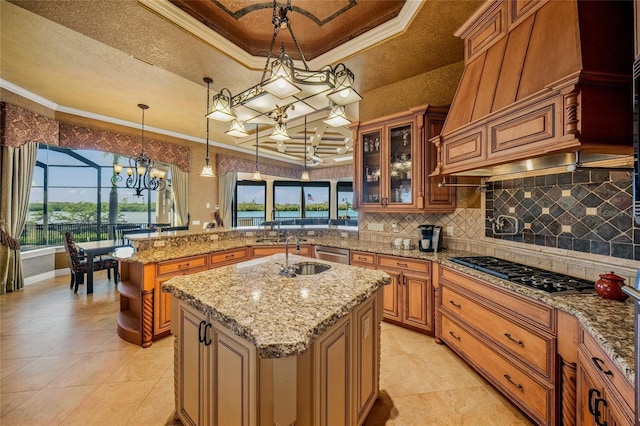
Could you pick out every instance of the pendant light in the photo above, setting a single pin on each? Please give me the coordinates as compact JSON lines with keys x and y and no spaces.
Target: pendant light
{"x":256,"y":175}
{"x":207,"y":170}
{"x":305,"y":173}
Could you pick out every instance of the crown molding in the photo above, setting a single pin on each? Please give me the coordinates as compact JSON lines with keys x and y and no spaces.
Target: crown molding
{"x":372,"y":37}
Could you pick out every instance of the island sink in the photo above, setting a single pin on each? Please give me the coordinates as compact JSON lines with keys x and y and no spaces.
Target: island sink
{"x":310,"y":268}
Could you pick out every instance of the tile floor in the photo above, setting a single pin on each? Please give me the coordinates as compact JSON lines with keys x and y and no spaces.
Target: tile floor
{"x":62,"y":363}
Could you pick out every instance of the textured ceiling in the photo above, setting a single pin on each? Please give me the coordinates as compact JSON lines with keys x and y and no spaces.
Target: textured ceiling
{"x":102,"y":58}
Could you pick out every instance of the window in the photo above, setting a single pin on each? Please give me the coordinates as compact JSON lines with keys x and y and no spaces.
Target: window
{"x":344,"y":192}
{"x":72,"y":191}
{"x":250,"y":203}
{"x":297,"y":200}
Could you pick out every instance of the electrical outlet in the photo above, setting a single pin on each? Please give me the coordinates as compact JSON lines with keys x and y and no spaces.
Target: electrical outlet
{"x":208,"y":205}
{"x":450,"y":231}
{"x":376,"y":227}
{"x":158,"y":243}
{"x":195,"y":222}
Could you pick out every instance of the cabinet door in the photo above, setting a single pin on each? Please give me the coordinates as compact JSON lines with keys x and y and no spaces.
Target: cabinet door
{"x":333,"y":375}
{"x":590,"y":395}
{"x":392,"y":294}
{"x":366,"y":358}
{"x":417,"y":300}
{"x":192,"y":362}
{"x":400,"y":191}
{"x":370,"y":150}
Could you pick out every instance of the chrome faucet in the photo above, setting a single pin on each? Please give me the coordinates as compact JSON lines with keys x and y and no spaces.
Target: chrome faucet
{"x":286,"y":270}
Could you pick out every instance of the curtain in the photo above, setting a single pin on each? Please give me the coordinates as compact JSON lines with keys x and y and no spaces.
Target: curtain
{"x":16,"y":172}
{"x":180,"y":190}
{"x":227,"y":189}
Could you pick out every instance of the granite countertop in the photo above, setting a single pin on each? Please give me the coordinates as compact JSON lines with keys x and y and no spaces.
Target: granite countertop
{"x":609,"y":322}
{"x":280,"y":316}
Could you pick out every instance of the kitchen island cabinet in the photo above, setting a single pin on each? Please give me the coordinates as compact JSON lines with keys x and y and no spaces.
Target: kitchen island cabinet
{"x":253,"y":347}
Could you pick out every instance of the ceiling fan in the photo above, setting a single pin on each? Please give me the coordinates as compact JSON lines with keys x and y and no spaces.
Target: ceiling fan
{"x":311,"y":158}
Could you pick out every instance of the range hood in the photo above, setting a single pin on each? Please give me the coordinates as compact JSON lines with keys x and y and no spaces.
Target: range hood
{"x":540,"y":78}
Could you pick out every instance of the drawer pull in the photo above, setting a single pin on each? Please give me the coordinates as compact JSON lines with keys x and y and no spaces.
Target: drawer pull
{"x":362,"y":259}
{"x":594,"y":406}
{"x":517,"y":385}
{"x":455,"y":304}
{"x":183,"y":266}
{"x":599,"y":363}
{"x":454,"y":336}
{"x":230,"y":256}
{"x":402,"y":265}
{"x":518,"y":342}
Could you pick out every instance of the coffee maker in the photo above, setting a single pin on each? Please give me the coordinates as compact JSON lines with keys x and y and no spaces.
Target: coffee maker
{"x":430,"y":239}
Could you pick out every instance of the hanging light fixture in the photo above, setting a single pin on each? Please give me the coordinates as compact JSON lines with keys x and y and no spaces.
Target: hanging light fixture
{"x":207,"y":170}
{"x":237,"y":130}
{"x":284,"y":86}
{"x":305,"y":173}
{"x":256,"y":175}
{"x":141,"y":174}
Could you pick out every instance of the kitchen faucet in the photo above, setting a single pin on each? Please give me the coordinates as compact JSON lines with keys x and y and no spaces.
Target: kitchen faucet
{"x":286,"y":270}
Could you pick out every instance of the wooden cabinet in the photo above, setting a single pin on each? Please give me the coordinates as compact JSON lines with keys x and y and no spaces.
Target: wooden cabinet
{"x":408,"y":300}
{"x":220,"y":380}
{"x":604,"y":395}
{"x":211,"y":359}
{"x":162,"y":301}
{"x":145,"y":311}
{"x":262,"y":251}
{"x":393,"y":161}
{"x":362,"y":259}
{"x":508,"y":338}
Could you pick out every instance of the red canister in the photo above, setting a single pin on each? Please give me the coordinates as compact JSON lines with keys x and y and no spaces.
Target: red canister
{"x":609,"y":286}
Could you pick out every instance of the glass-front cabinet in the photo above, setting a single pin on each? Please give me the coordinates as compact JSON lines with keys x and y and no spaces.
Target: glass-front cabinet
{"x":392,"y":161}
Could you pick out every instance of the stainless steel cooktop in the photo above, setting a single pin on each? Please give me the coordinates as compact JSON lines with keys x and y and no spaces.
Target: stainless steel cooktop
{"x":528,"y":276}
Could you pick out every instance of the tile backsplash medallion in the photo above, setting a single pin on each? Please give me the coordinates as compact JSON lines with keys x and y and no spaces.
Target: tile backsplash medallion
{"x":587,"y":211}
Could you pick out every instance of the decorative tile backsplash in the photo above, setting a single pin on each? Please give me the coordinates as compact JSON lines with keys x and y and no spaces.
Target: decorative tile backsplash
{"x":588,"y":211}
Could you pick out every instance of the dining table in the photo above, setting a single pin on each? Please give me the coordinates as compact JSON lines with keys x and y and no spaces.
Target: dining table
{"x":97,"y":248}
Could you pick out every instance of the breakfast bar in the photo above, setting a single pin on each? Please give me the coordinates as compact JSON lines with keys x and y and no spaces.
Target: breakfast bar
{"x":253,"y":346}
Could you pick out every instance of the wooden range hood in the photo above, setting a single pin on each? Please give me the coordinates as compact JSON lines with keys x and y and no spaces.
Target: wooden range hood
{"x":540,"y":77}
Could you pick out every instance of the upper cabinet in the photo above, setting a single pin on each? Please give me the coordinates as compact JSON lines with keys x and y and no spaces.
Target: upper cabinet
{"x":540,"y":77}
{"x":393,"y":161}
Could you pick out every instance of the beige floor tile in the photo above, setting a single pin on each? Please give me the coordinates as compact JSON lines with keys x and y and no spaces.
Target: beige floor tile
{"x":95,"y":370}
{"x":38,"y":373}
{"x":81,"y":342}
{"x":111,"y":404}
{"x":48,"y":407}
{"x":9,"y":401}
{"x":144,"y":364}
{"x":159,"y":407}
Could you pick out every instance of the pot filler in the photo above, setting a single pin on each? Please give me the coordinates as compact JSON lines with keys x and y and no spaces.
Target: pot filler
{"x":527,"y":276}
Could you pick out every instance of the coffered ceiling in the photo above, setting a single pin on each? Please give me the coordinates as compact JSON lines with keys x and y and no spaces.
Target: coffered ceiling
{"x":101,"y":58}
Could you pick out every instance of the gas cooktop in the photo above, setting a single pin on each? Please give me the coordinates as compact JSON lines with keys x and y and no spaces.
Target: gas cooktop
{"x":528,"y":276}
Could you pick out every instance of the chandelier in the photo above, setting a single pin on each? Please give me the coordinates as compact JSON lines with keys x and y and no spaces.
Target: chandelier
{"x":141,"y":175}
{"x":286,"y":91}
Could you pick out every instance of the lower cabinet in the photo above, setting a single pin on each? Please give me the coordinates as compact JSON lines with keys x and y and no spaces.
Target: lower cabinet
{"x":509,"y":339}
{"x":408,"y":300}
{"x":261,"y":251}
{"x":604,"y":396}
{"x":216,"y":376}
{"x":220,"y":380}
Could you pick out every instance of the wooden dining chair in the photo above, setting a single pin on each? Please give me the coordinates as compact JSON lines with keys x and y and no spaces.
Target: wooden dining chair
{"x":77,"y":261}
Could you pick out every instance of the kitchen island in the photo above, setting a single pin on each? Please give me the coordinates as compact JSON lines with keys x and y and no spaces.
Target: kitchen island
{"x":255,"y":347}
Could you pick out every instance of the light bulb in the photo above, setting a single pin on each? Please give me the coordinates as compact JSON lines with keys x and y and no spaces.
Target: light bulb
{"x":344,"y":93}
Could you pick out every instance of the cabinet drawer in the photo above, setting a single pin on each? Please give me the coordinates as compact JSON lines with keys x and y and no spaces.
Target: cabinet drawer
{"x":404,"y":263}
{"x":364,"y":259}
{"x":607,"y":371}
{"x":535,"y":350}
{"x":525,"y":311}
{"x":181,"y":265}
{"x":226,"y":257}
{"x":534,"y":398}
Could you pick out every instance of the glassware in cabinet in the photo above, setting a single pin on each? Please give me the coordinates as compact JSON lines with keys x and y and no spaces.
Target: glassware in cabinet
{"x":371,"y":165}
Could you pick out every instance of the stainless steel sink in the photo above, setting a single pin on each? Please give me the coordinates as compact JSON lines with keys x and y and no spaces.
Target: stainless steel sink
{"x":310,"y":268}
